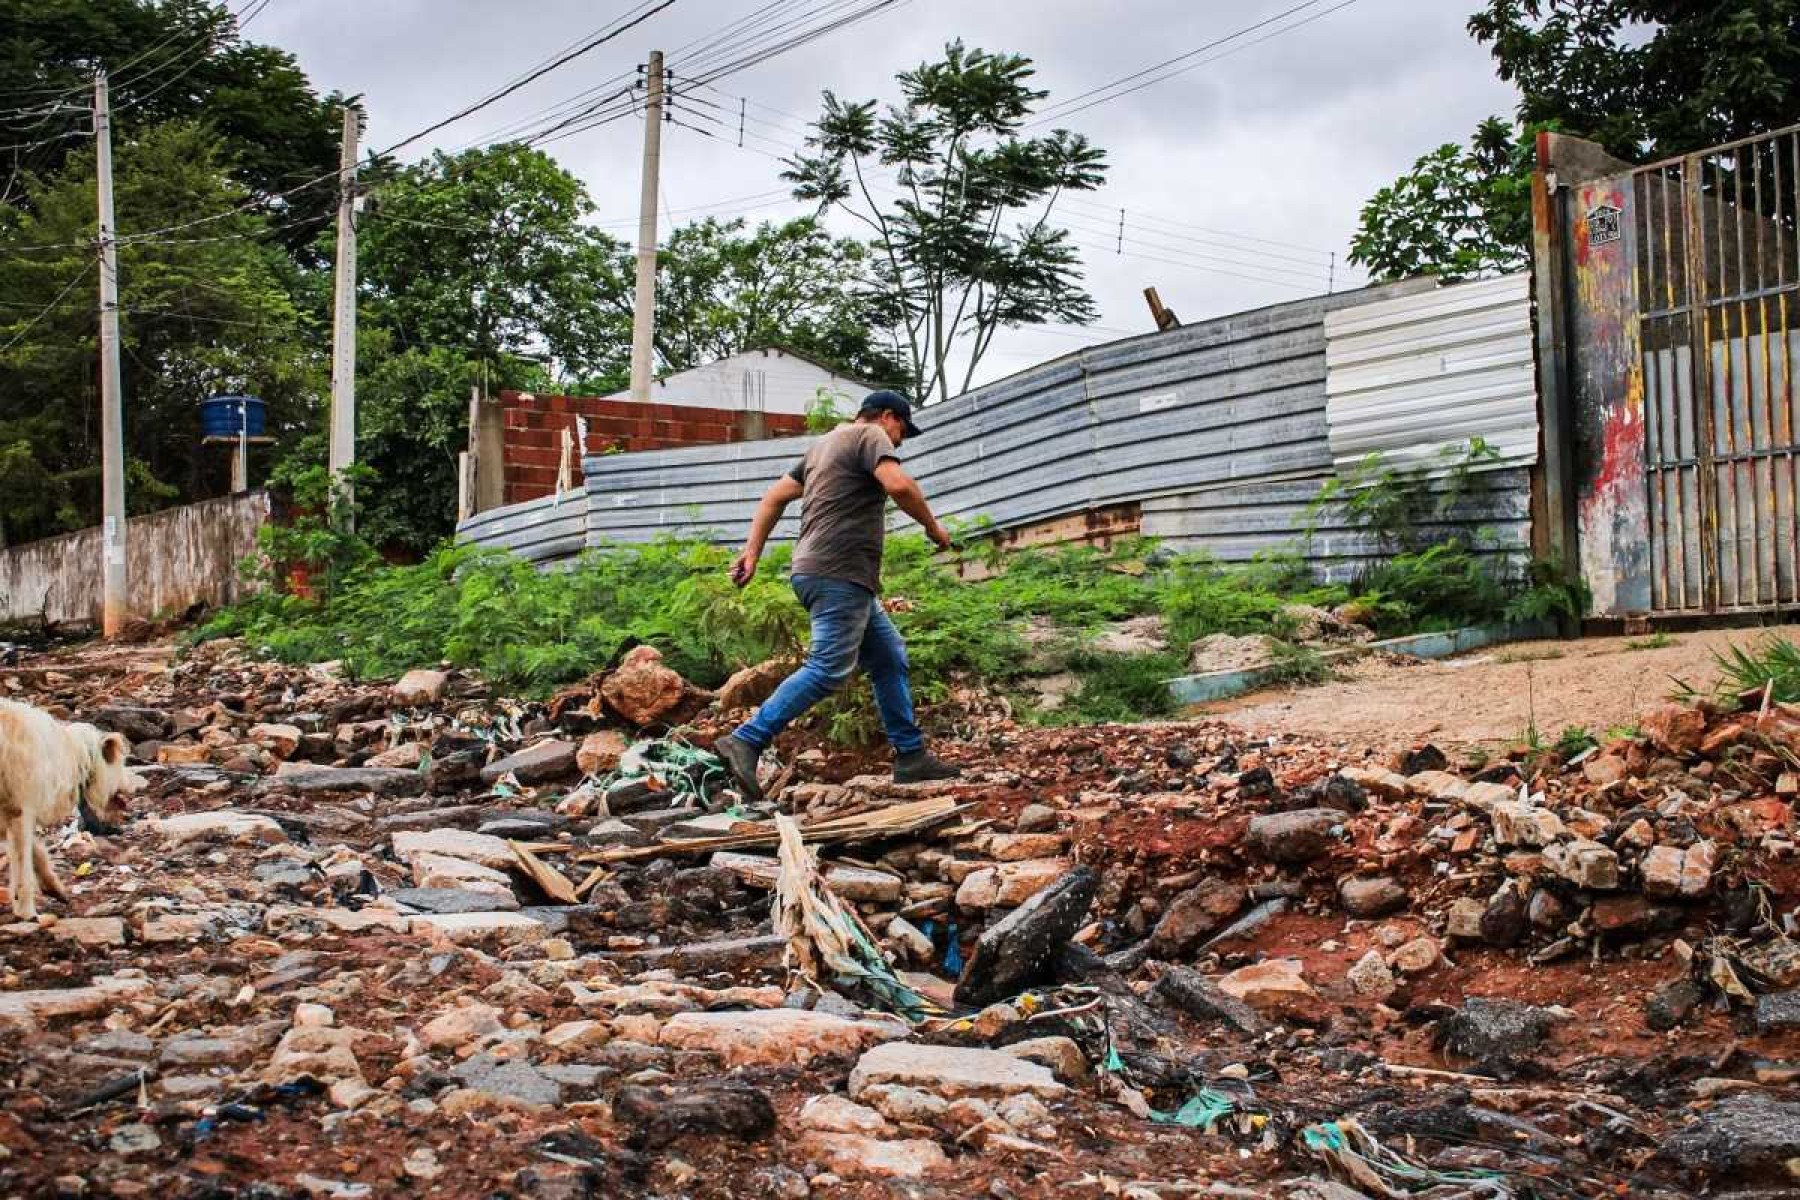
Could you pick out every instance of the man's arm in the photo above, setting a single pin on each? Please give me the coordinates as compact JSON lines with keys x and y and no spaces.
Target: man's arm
{"x":781,"y":493}
{"x":905,"y":492}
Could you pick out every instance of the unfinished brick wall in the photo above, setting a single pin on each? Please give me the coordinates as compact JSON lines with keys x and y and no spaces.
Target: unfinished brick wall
{"x":534,"y":425}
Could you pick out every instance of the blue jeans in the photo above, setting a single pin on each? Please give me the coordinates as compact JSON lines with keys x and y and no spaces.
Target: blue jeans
{"x":849,"y":629}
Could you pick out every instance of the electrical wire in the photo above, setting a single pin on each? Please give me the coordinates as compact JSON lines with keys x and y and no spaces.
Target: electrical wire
{"x":538,"y":73}
{"x":47,"y":309}
{"x":1195,"y":266}
{"x":579,"y":113}
{"x":1316,"y":274}
{"x":1139,"y":215}
{"x":752,"y":57}
{"x":189,"y":57}
{"x":1078,"y":208}
{"x":1105,"y":93}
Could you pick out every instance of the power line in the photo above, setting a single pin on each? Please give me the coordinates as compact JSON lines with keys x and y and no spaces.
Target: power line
{"x":47,"y":309}
{"x":538,"y":73}
{"x":1308,"y":256}
{"x":1195,"y":266}
{"x":767,"y":50}
{"x":1105,"y":93}
{"x":117,"y":74}
{"x":1140,"y":216}
{"x":1317,"y":274}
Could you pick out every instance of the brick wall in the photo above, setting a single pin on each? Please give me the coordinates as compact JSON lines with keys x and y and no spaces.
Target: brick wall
{"x":534,"y":425}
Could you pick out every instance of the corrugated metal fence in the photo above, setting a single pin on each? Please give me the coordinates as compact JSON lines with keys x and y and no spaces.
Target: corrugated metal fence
{"x":1400,"y":372}
{"x":1220,"y":429}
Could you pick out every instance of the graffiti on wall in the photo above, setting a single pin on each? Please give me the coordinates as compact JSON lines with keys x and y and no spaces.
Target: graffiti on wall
{"x":1607,"y":385}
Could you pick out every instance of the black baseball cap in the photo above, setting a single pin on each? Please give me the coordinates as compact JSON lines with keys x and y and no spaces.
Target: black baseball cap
{"x":897,"y":404}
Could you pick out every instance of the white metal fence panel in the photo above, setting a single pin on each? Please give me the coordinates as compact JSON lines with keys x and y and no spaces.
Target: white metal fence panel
{"x":1409,"y":375}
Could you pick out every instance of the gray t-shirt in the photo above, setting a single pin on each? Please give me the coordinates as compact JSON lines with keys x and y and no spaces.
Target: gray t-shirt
{"x":843,"y":514}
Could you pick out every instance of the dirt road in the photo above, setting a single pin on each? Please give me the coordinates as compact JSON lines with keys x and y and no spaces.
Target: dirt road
{"x":1493,"y":696}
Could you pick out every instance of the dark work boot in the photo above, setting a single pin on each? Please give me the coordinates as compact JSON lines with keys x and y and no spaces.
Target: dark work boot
{"x":740,"y":759}
{"x":921,"y":767}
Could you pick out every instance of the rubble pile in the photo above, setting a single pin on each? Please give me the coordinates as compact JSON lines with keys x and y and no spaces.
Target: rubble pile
{"x":416,"y":938}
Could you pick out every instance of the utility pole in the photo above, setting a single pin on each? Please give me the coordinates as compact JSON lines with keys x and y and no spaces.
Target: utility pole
{"x":643,"y":310}
{"x":112,"y":417}
{"x":343,"y":332}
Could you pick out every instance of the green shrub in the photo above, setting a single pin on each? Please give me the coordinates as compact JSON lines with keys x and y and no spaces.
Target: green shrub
{"x":1773,"y":663}
{"x":1120,"y":688}
{"x":1440,"y":587}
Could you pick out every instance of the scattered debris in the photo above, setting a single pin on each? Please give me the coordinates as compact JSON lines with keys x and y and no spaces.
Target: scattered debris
{"x":413,"y":935}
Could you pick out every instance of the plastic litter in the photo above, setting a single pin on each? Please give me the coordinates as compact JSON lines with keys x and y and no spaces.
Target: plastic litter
{"x":686,"y":772}
{"x":1349,"y":1148}
{"x":826,"y":936}
{"x":1202,"y":1111}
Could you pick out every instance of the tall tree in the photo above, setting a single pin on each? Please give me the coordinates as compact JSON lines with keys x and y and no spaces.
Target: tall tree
{"x":721,"y":288}
{"x":200,"y":315}
{"x":1646,"y":79}
{"x":1649,"y":78}
{"x":965,"y":245}
{"x":167,"y":60}
{"x":475,"y":268}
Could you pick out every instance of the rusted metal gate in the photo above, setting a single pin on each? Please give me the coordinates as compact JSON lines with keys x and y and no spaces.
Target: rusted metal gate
{"x":1684,"y":298}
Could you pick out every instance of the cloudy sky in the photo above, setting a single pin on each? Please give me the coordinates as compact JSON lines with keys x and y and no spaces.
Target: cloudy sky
{"x":1238,"y":178}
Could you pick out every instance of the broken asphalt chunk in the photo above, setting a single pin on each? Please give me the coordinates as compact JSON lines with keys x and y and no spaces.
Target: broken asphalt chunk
{"x":1294,"y":837}
{"x":1495,"y":1031}
{"x":1016,"y":951}
{"x":1744,"y":1138}
{"x":309,"y":780}
{"x":1188,"y":991}
{"x":658,"y":1116}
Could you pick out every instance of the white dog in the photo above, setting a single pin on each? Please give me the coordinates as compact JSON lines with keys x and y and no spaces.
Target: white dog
{"x":46,"y":768}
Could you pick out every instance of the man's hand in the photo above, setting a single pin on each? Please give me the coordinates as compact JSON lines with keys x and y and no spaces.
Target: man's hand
{"x":743,"y":568}
{"x":940,"y":537}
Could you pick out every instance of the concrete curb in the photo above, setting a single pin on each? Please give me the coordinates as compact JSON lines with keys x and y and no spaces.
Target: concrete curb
{"x":1218,"y":685}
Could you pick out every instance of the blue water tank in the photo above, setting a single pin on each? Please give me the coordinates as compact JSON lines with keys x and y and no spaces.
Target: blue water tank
{"x":227,"y":416}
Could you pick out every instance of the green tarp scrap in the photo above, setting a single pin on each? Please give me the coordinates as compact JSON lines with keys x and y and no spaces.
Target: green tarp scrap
{"x":685,"y":772}
{"x":826,"y":938}
{"x":1355,"y":1153}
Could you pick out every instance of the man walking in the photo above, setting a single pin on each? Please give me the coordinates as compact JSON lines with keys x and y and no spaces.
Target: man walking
{"x":844,"y":482}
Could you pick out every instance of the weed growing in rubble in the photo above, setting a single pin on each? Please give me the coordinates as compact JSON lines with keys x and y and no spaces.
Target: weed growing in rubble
{"x":1293,"y":664}
{"x":1574,"y":740}
{"x":1528,"y":653}
{"x":1773,"y":663}
{"x":1660,"y":640}
{"x":1200,"y":597}
{"x":1440,"y":587}
{"x":531,"y":630}
{"x":1078,"y":587}
{"x":1550,"y":593}
{"x":1119,"y":688}
{"x":1396,"y":504}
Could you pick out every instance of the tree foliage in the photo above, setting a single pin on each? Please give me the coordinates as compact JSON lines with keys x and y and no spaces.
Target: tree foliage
{"x":1644,"y":78}
{"x":1458,"y":214}
{"x":173,"y":60}
{"x":722,"y":288}
{"x":198,"y":317}
{"x":1649,"y":78}
{"x":476,"y":269}
{"x":965,"y":246}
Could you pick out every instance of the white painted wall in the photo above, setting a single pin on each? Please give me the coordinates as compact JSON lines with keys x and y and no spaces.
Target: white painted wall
{"x":754,"y":381}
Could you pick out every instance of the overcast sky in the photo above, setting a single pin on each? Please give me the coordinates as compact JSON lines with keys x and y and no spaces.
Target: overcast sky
{"x":1248,"y":169}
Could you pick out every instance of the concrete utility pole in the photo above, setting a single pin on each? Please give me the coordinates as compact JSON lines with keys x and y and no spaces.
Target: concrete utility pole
{"x":112,"y":417}
{"x":343,"y":333}
{"x":643,"y":310}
